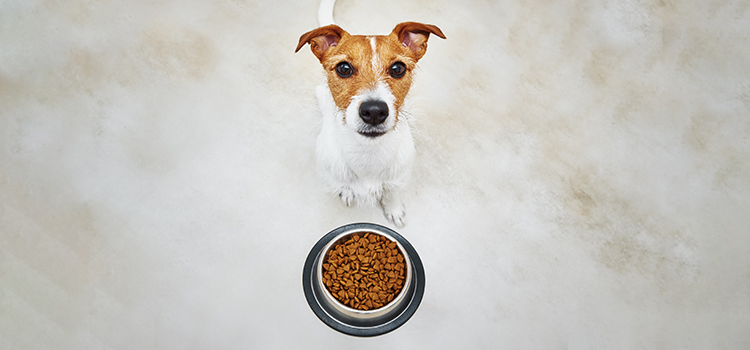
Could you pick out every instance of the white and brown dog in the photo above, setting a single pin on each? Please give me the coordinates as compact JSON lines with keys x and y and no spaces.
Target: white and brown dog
{"x":365,"y":149}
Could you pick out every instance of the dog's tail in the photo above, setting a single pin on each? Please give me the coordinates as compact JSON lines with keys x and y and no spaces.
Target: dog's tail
{"x":325,"y":12}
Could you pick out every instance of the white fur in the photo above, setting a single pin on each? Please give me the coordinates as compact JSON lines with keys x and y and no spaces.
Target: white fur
{"x":365,"y":170}
{"x":375,"y":57}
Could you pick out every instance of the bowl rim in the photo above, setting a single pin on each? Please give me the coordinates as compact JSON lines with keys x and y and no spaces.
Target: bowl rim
{"x":418,"y":281}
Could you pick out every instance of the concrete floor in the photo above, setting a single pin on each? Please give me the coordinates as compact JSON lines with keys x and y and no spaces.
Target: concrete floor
{"x":582,"y":182}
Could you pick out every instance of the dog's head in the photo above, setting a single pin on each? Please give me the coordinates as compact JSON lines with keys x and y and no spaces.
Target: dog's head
{"x":370,"y":76}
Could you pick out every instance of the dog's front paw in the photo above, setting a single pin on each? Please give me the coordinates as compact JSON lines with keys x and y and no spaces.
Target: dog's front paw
{"x":347,"y":196}
{"x":395,"y":212}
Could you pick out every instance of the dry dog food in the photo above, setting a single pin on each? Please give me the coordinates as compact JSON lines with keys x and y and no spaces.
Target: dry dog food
{"x":365,"y":272}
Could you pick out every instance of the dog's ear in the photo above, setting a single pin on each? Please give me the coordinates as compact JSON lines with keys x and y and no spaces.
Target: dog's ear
{"x":414,"y":36}
{"x":321,"y":39}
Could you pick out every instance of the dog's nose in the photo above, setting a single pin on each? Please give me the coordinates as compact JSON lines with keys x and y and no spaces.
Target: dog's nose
{"x":373,"y":112}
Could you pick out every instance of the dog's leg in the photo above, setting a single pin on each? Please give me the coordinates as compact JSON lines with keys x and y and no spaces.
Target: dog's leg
{"x":393,"y":208}
{"x":347,"y":196}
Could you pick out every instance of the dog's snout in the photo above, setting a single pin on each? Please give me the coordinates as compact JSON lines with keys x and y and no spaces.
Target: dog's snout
{"x":373,"y":112}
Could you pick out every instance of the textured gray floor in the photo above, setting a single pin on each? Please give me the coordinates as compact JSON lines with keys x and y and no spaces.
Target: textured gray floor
{"x":582,"y":182}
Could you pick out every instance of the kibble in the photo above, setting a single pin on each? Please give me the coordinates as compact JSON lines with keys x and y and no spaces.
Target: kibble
{"x":365,"y":272}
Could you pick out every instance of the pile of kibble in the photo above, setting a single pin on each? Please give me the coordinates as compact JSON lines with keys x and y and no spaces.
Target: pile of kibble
{"x":364,"y":272}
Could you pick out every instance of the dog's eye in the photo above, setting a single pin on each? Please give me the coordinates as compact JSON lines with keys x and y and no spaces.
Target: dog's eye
{"x":397,"y":70}
{"x":344,"y":69}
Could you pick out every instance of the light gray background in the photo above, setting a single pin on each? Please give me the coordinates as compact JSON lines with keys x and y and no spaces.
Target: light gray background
{"x":582,"y":182}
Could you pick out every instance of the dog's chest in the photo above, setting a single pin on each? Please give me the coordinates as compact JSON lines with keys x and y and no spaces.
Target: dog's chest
{"x":374,"y":161}
{"x":387,"y":158}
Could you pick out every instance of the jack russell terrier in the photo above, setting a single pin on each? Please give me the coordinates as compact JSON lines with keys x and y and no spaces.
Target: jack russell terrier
{"x":365,"y":148}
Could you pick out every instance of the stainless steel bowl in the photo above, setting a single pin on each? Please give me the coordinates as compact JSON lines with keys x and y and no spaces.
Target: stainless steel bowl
{"x":358,"y":322}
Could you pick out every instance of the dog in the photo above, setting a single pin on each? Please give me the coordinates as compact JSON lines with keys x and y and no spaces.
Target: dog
{"x":365,"y":149}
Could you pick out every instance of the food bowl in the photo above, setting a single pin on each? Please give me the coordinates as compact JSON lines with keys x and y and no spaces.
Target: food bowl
{"x":355,"y":322}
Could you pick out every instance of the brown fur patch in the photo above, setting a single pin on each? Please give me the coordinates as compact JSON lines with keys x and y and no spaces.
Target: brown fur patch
{"x":357,"y":50}
{"x":333,"y":45}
